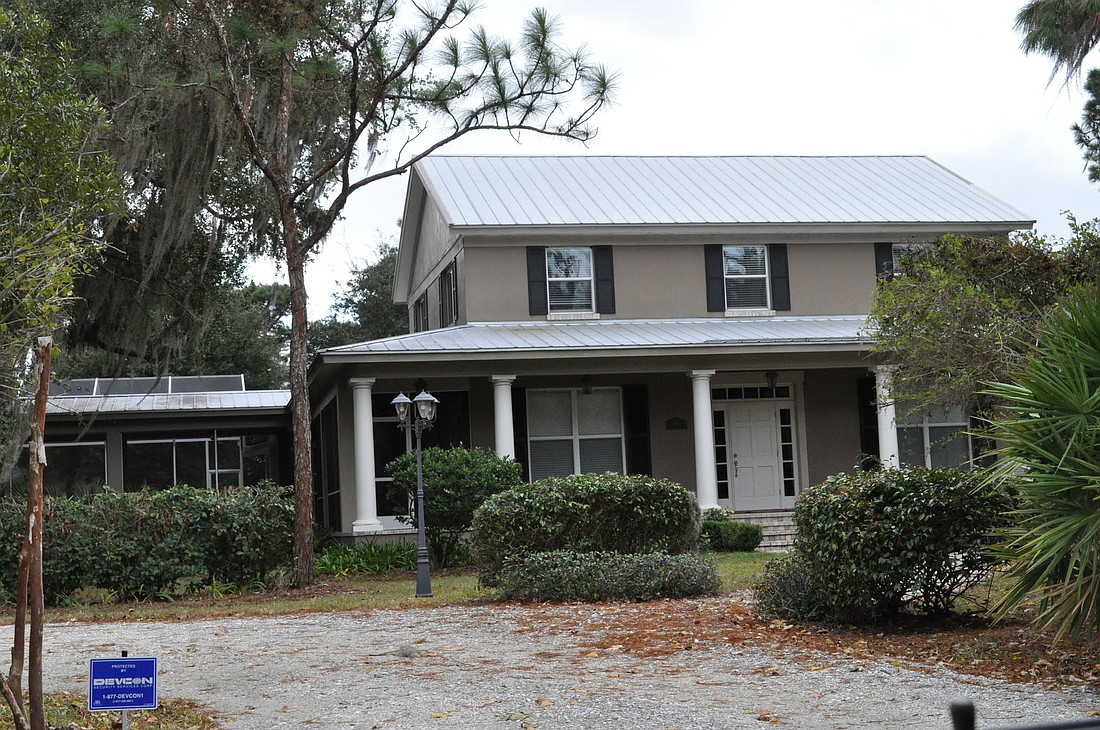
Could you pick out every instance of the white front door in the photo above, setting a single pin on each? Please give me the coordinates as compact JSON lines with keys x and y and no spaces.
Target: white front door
{"x":754,"y":443}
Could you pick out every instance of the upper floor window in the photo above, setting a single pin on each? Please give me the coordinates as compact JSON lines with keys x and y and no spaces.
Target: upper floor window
{"x":569,"y":279}
{"x":745,"y":269}
{"x":420,"y":313}
{"x":888,"y":257}
{"x":575,"y":280}
{"x":448,"y":296}
{"x":742,"y":278}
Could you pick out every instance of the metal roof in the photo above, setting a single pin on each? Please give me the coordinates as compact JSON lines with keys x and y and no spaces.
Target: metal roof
{"x":164,"y":403}
{"x":504,"y":191}
{"x":589,"y":337}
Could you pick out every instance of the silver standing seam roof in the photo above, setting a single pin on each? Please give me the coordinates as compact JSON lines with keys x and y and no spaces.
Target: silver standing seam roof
{"x":571,"y":338}
{"x":165,"y":403}
{"x":510,"y":191}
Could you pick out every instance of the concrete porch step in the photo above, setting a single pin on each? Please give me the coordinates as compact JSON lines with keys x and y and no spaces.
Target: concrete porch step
{"x":778,"y":528}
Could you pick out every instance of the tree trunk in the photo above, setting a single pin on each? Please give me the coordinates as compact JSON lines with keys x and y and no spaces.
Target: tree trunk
{"x":281,"y":180}
{"x":29,"y":578}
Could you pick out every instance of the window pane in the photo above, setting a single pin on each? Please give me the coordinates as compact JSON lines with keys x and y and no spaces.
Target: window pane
{"x":949,"y":447}
{"x":744,"y":260}
{"x":148,"y":465}
{"x":75,"y":470}
{"x":570,"y":296}
{"x":911,"y":446}
{"x":549,"y":413}
{"x":191,"y":464}
{"x":746,"y":293}
{"x":599,"y":412}
{"x":229,"y":454}
{"x":261,"y":458}
{"x":569,"y":263}
{"x":600,"y":455}
{"x":551,"y":459}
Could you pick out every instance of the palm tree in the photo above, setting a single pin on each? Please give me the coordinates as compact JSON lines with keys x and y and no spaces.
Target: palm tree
{"x":1065,"y":30}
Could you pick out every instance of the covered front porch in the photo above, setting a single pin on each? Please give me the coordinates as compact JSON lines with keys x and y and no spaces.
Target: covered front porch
{"x":744,"y":422}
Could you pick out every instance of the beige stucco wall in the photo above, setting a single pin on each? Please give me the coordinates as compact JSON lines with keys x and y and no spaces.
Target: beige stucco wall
{"x":669,"y":280}
{"x":832,"y":422}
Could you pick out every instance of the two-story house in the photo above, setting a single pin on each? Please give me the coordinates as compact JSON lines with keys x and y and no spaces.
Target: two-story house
{"x":700,"y":319}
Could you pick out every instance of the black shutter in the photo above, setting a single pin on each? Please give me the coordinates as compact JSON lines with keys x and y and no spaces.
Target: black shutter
{"x":519,"y":428}
{"x":636,"y":429}
{"x":604,"y":268}
{"x":884,"y":259}
{"x":716,"y":279}
{"x":780,"y":276}
{"x":536,"y":281}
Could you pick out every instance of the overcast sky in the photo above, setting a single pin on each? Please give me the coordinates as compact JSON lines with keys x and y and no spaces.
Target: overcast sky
{"x":942,"y":78}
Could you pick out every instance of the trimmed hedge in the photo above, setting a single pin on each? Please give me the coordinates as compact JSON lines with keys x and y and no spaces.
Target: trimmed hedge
{"x":150,"y":543}
{"x":722,"y":533}
{"x":584,"y":513}
{"x":567,"y":575}
{"x":871,"y":544}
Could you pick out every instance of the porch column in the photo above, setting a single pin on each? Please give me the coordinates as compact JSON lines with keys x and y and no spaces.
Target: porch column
{"x":887,"y":416}
{"x":706,"y":473}
{"x":503,"y":427}
{"x":366,"y":500}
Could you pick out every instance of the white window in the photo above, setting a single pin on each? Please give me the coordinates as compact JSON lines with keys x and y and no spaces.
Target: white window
{"x":573,"y":432}
{"x":569,"y":279}
{"x":939,"y":439}
{"x":746,"y":277}
{"x":448,"y":296}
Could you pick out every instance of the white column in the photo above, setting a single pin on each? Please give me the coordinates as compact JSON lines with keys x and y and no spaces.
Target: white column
{"x":887,"y":416}
{"x":366,"y":499}
{"x":706,"y":473}
{"x":503,"y":427}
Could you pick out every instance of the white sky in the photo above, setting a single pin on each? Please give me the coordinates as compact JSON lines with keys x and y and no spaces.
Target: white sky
{"x":942,"y":78}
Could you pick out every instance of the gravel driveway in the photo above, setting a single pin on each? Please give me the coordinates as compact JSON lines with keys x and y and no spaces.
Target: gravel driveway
{"x":483,"y":667}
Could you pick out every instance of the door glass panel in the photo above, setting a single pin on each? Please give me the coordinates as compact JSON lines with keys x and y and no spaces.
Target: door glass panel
{"x":229,"y":453}
{"x":148,"y":464}
{"x":191,"y":463}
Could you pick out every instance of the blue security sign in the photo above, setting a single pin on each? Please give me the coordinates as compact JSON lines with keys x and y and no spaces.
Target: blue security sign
{"x":122,"y":683}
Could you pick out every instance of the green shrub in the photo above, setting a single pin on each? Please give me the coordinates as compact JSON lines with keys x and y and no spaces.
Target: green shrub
{"x":722,"y":533}
{"x":586,"y":513}
{"x":567,"y":575}
{"x":456,"y":482}
{"x":786,"y":588}
{"x":873,"y":543}
{"x":145,"y":544}
{"x":366,"y":557}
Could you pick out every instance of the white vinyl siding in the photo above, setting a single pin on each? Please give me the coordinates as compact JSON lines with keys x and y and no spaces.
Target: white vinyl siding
{"x":573,"y":432}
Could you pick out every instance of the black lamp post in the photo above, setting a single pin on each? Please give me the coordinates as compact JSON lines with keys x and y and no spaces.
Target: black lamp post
{"x":417,"y":415}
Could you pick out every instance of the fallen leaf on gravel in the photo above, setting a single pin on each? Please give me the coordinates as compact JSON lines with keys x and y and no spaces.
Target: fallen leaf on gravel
{"x":514,"y":716}
{"x":592,"y":654}
{"x":440,"y":715}
{"x":766,"y":716}
{"x":492,"y":701}
{"x":288,"y":708}
{"x":544,"y":702}
{"x":815,"y":668}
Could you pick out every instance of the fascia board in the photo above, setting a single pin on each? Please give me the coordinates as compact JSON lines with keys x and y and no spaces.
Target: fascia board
{"x":867,"y":231}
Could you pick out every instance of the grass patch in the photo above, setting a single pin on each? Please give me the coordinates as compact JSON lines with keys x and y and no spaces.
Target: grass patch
{"x":70,"y":710}
{"x":739,"y":571}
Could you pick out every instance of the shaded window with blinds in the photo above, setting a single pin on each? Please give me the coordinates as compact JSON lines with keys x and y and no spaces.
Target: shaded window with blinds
{"x":934,"y":440}
{"x":573,"y":432}
{"x":569,"y":279}
{"x":746,"y":273}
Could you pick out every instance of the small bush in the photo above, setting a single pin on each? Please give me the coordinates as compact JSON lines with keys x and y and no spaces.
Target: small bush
{"x":456,"y":482}
{"x":147,"y":544}
{"x":567,"y":575}
{"x":786,"y":588}
{"x":874,"y":543}
{"x":586,"y":513}
{"x":366,"y":557}
{"x":731,"y":537}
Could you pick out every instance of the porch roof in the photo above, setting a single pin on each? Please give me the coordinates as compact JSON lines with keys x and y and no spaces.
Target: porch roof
{"x":590,"y":337}
{"x":241,"y":402}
